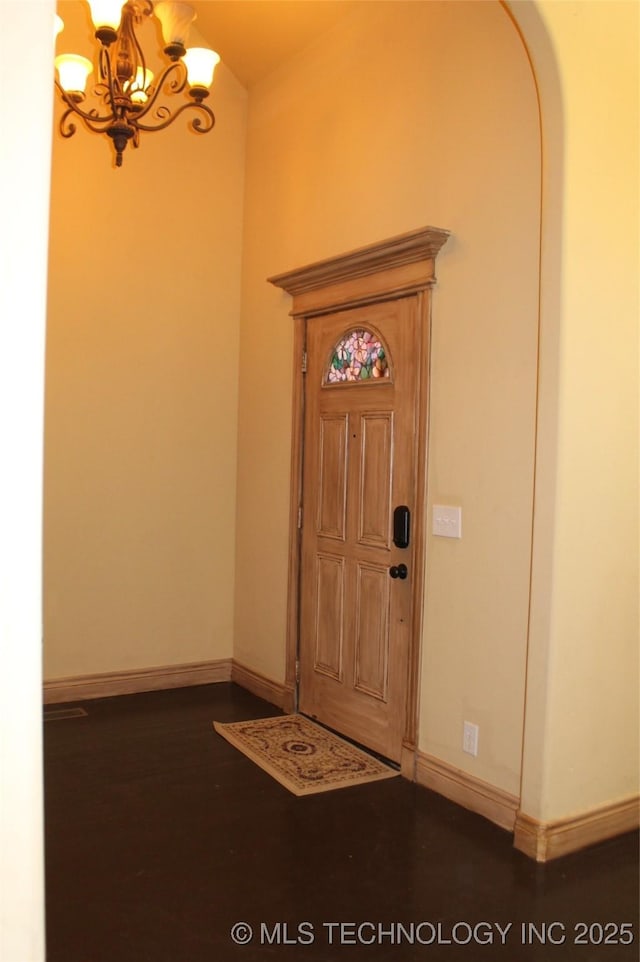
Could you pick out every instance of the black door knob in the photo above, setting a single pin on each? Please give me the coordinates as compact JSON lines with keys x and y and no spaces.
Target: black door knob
{"x":399,"y":571}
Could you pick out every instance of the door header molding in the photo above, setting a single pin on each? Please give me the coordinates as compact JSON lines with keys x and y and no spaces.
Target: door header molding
{"x":389,"y":268}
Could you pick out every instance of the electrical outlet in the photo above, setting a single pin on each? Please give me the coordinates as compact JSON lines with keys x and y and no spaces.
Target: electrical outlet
{"x":470,"y":734}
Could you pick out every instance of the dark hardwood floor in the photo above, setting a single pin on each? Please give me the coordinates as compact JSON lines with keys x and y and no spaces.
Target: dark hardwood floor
{"x":160,"y":837}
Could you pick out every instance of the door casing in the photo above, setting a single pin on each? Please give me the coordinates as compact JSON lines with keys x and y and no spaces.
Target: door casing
{"x":393,"y":268}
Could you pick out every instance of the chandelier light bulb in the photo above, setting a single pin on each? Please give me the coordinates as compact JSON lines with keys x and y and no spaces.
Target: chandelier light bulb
{"x":73,"y":72}
{"x":200,"y":63}
{"x":59,"y":25}
{"x":138,"y":88}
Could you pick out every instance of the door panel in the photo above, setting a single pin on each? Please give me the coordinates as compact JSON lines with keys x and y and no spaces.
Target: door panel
{"x":374,"y":503}
{"x":332,"y":496}
{"x":359,"y":463}
{"x":372,"y":630}
{"x":329,"y":615}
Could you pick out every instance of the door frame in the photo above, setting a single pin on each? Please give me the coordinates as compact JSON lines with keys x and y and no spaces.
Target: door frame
{"x":398,"y":267}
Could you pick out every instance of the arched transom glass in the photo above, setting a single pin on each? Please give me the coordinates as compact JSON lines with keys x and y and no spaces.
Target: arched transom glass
{"x":359,"y":356}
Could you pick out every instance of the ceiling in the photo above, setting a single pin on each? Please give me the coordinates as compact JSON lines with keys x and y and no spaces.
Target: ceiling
{"x":254,"y":36}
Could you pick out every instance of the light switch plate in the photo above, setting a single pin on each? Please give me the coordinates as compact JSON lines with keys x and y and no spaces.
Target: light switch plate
{"x":447,"y":521}
{"x":470,"y":733}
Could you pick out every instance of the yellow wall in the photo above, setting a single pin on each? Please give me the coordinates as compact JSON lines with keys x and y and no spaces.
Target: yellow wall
{"x":581,"y":745}
{"x":405,"y":114}
{"x":141,"y":393}
{"x":409,"y":114}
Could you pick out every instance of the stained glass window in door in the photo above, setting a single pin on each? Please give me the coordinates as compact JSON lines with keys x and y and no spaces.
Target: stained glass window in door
{"x":358,"y":356}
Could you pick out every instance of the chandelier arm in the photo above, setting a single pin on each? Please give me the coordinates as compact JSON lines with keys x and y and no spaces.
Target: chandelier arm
{"x":90,"y":117}
{"x":197,"y":124}
{"x":67,"y":130}
{"x":175,"y":89}
{"x":98,"y":125}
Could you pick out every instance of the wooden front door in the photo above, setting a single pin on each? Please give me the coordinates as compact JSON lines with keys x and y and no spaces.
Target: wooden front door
{"x":359,"y":465}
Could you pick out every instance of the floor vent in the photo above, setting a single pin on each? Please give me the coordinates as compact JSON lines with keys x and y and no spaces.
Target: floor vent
{"x":55,"y":714}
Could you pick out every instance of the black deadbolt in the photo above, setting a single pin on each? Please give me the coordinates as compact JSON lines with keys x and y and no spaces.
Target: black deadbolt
{"x":401,"y":526}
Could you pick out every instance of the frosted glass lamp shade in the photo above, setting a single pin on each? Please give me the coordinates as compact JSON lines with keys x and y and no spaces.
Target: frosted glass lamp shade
{"x":175,"y":18}
{"x":106,"y":13}
{"x":73,"y":71}
{"x":138,"y":88}
{"x":200,"y":63}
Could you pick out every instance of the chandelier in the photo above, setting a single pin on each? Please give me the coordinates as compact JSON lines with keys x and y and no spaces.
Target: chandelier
{"x":127,"y":98}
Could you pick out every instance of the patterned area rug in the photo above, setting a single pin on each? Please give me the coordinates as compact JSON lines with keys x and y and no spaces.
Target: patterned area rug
{"x":303,"y":756}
